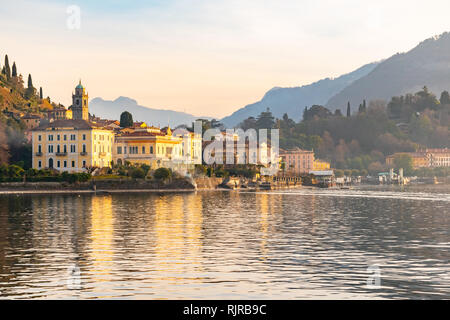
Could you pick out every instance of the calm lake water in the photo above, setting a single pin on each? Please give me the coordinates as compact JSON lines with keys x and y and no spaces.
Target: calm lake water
{"x":300,"y":244}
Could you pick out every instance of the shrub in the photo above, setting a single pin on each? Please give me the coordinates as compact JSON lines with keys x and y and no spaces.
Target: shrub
{"x":162,"y":174}
{"x":138,"y":173}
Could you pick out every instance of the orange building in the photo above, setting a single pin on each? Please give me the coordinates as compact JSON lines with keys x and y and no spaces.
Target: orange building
{"x":298,"y":161}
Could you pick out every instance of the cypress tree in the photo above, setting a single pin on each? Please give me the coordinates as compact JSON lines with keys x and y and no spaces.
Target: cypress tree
{"x":14,"y":70}
{"x":30,"y":82}
{"x":41,"y":96}
{"x":364,"y":106}
{"x":349,"y":112}
{"x":7,"y":68}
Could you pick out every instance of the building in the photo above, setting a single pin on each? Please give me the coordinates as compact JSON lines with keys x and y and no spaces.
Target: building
{"x":297,"y":161}
{"x":426,"y":158}
{"x":31,"y":121}
{"x":72,"y":145}
{"x":229,"y":150}
{"x":158,"y":148}
{"x":59,"y":113}
{"x":321,"y":165}
{"x":80,"y":103}
{"x":438,"y":157}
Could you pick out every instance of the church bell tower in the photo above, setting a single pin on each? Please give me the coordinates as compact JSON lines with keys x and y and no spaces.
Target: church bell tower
{"x":80,"y":100}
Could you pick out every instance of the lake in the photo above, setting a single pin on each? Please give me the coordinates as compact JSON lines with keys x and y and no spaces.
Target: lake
{"x":364,"y":243}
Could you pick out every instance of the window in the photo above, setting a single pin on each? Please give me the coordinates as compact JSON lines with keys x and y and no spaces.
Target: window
{"x":65,"y":148}
{"x":151,"y":149}
{"x":72,"y":148}
{"x":72,"y":137}
{"x":84,"y":137}
{"x":73,"y":164}
{"x":125,"y":150}
{"x":50,"y":137}
{"x":143,"y":150}
{"x":65,"y":164}
{"x":39,"y":148}
{"x":84,"y":163}
{"x":58,"y":149}
{"x":50,"y":148}
{"x":39,"y":164}
{"x":119,"y":150}
{"x":65,"y":137}
{"x":58,"y":137}
{"x":39,"y":138}
{"x":58,"y":164}
{"x":84,"y":148}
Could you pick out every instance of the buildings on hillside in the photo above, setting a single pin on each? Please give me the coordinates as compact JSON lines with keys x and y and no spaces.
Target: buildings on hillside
{"x":427,"y":158}
{"x":71,"y":140}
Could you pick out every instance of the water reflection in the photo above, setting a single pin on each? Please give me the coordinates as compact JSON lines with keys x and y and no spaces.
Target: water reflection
{"x":300,"y":244}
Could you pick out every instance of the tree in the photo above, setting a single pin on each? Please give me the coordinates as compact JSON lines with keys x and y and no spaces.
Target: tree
{"x":30,"y":91}
{"x":404,"y":161}
{"x":14,"y":70}
{"x":349,"y":111}
{"x":162,"y":174}
{"x":249,"y":123}
{"x":41,"y":96}
{"x":317,"y":111}
{"x":445,"y":98}
{"x":265,"y":120}
{"x":30,"y":82}
{"x":7,"y":68}
{"x":126,"y":119}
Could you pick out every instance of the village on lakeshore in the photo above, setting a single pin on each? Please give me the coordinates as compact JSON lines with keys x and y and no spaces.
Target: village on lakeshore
{"x":72,"y":142}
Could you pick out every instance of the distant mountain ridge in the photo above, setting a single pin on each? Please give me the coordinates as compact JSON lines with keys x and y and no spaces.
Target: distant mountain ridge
{"x":293,"y":100}
{"x":113,"y":109}
{"x":428,"y":64}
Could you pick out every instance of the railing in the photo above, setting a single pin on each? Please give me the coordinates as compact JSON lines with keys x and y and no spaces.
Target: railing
{"x":102,"y":154}
{"x":38,"y":154}
{"x":83,"y":153}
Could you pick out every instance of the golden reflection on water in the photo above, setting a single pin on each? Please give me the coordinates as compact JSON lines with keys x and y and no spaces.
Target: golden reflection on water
{"x":101,"y":239}
{"x":178,"y":236}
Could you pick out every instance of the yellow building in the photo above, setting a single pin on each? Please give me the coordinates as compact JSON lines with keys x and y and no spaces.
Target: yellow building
{"x":72,"y":146}
{"x":157,"y":148}
{"x":420,"y":159}
{"x":320,"y":165}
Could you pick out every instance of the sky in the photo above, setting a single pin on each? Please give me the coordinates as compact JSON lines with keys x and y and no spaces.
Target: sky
{"x":205,"y":57}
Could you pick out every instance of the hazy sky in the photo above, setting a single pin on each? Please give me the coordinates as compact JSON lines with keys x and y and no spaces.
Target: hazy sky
{"x":206,"y":57}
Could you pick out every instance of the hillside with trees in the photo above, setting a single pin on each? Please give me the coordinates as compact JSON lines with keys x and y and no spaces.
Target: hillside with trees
{"x":427,"y":63}
{"x":17,"y":98}
{"x":361,"y":137}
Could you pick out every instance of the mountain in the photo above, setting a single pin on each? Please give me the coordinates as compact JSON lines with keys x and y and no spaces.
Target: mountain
{"x":293,"y":100}
{"x":428,"y":64}
{"x":113,"y":109}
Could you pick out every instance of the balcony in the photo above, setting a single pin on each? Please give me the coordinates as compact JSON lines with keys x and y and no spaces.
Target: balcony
{"x":83,"y":153}
{"x":61,"y":154}
{"x":102,"y":154}
{"x":38,"y":154}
